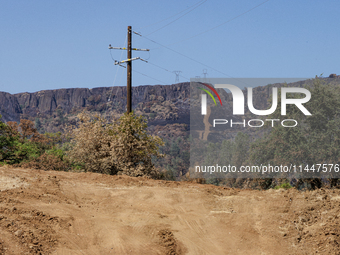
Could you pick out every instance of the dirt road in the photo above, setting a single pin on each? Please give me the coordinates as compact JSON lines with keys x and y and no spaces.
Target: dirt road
{"x":47,"y":212}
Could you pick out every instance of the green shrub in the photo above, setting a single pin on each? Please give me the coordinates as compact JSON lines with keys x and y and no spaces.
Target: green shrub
{"x":7,"y":141}
{"x":26,"y":151}
{"x":285,"y":185}
{"x":56,"y":151}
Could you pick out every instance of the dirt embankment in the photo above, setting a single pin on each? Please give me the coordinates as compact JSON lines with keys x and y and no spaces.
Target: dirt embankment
{"x":85,"y":213}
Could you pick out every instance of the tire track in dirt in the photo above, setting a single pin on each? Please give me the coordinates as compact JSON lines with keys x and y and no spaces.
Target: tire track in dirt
{"x":87,"y":213}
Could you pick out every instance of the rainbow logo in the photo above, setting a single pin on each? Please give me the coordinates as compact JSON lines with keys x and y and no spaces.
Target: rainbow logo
{"x":204,"y":97}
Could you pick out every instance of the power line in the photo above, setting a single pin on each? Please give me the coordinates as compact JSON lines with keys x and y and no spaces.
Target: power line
{"x":173,"y":15}
{"x":196,"y":36}
{"x":134,"y":70}
{"x":177,"y":18}
{"x":186,"y":56}
{"x":206,"y":31}
{"x":121,"y":55}
{"x":167,"y":70}
{"x":189,"y":57}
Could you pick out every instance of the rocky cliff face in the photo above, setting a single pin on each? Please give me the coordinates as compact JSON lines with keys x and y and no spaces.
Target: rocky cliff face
{"x":46,"y":102}
{"x":161,"y":104}
{"x":9,"y":107}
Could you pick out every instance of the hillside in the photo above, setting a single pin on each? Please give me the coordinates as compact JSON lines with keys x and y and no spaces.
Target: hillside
{"x":166,"y":108}
{"x":47,"y":212}
{"x":161,"y":104}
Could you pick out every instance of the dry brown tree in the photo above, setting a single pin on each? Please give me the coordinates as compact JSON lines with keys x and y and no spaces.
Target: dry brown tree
{"x":121,"y":147}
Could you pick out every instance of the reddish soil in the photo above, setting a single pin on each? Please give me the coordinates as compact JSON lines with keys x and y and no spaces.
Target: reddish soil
{"x":47,"y":212}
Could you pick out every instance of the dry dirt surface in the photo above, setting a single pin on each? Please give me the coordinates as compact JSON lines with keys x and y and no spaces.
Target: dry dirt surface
{"x":47,"y":212}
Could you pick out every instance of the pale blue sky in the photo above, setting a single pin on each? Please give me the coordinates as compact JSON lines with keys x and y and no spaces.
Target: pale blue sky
{"x":63,"y":44}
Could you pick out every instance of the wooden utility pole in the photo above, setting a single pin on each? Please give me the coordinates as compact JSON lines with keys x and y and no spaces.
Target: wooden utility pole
{"x":128,"y":61}
{"x":129,"y":69}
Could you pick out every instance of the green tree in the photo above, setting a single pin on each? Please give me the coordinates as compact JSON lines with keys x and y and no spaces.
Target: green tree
{"x":211,"y":155}
{"x":316,"y":139}
{"x":8,"y":140}
{"x":226,"y":152}
{"x":240,"y":149}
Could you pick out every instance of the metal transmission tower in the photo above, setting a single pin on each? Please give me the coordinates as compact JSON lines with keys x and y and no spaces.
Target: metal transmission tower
{"x":177,"y":76}
{"x":205,"y":72}
{"x":129,"y":66}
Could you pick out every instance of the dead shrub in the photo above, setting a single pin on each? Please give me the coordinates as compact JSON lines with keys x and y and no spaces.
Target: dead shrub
{"x":47,"y":162}
{"x":121,"y":147}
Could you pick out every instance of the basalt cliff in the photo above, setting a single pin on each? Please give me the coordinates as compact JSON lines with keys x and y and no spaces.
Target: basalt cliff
{"x":161,"y":104}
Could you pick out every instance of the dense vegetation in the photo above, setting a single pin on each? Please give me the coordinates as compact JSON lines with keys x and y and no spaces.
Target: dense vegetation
{"x":124,"y":146}
{"x":22,"y":145}
{"x":316,"y":140}
{"x":120,"y":147}
{"x":175,"y":163}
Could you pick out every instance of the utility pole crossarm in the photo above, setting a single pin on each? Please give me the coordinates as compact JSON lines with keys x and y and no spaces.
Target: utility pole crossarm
{"x":118,"y":63}
{"x":122,"y":48}
{"x":127,"y":60}
{"x":128,"y":67}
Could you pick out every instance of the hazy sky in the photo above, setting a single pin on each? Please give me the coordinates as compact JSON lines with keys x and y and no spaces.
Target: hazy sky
{"x":63,"y":44}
